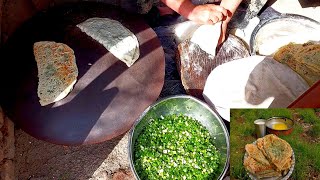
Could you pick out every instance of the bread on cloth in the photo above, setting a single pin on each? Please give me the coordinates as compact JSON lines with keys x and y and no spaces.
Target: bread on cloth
{"x":302,"y":58}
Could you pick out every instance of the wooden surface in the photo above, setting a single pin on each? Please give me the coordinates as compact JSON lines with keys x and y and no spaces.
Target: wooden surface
{"x":309,"y":99}
{"x":108,"y":96}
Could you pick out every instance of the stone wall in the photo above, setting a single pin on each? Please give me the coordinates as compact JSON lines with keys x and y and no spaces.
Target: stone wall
{"x":7,"y":147}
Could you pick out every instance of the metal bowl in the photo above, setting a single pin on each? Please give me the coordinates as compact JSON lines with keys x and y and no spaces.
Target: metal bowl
{"x":294,"y":19}
{"x":188,"y":106}
{"x":271,"y":121}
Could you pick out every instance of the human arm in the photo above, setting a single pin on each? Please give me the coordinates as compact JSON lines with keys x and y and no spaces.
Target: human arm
{"x":231,"y":6}
{"x":202,"y":14}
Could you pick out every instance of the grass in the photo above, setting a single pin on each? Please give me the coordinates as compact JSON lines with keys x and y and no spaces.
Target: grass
{"x":306,"y":153}
{"x":308,"y":115}
{"x":317,"y":110}
{"x":315,"y":131}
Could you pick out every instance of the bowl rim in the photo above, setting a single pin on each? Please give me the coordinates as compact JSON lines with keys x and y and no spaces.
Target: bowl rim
{"x":279,"y":117}
{"x":205,"y":105}
{"x":272,"y":19}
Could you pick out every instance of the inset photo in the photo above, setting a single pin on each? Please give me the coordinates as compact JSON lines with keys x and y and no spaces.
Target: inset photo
{"x":275,"y":144}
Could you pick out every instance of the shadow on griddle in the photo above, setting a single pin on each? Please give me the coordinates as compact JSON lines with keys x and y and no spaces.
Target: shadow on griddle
{"x":72,"y":121}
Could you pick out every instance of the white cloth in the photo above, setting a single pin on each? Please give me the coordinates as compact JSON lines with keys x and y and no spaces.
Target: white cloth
{"x":252,"y":82}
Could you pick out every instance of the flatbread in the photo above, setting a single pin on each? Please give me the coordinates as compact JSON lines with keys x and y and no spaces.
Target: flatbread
{"x":302,"y":58}
{"x":256,"y":154}
{"x":279,"y":151}
{"x":207,"y":37}
{"x":260,"y":146}
{"x":116,"y":38}
{"x":57,"y":70}
{"x":270,"y":156}
{"x":256,"y":167}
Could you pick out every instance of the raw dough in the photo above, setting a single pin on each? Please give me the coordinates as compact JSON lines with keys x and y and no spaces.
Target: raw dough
{"x":207,"y":36}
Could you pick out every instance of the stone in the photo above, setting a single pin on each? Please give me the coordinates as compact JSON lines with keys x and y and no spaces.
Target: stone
{"x":195,"y":65}
{"x":102,"y":175}
{"x":8,"y":133}
{"x":1,"y":147}
{"x":247,"y":10}
{"x":1,"y":117}
{"x":123,"y":175}
{"x":172,"y":87}
{"x":1,"y":153}
{"x":7,"y":170}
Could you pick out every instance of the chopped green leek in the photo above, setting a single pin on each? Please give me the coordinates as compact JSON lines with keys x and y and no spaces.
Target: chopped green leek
{"x":175,"y":147}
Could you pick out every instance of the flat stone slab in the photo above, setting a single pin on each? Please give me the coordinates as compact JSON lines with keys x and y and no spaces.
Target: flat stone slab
{"x":195,"y":65}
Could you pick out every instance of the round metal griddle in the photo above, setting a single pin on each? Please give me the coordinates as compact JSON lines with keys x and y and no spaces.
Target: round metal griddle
{"x":108,"y":96}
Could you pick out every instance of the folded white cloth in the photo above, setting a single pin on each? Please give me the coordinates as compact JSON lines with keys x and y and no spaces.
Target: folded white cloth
{"x":252,"y":82}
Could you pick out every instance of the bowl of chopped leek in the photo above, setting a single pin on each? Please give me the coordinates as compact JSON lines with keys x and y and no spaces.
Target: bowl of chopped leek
{"x":179,"y":137}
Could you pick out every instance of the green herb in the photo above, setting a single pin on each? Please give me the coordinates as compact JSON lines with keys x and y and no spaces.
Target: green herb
{"x":175,"y":147}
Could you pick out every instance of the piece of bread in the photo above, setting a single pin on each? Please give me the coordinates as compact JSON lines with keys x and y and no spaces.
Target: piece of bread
{"x":269,"y":157}
{"x":116,"y":38}
{"x":278,"y":150}
{"x":303,"y":59}
{"x":256,"y":154}
{"x":260,"y":146}
{"x":57,"y":70}
{"x":256,"y":167}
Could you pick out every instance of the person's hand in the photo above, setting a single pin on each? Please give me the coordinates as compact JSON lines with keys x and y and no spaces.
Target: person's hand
{"x":222,"y":37}
{"x":207,"y":14}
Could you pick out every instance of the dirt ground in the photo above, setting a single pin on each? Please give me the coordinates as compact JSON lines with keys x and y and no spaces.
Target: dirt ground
{"x":37,"y":159}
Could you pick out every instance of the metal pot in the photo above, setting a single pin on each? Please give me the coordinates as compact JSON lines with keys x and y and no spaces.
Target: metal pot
{"x":273,"y":120}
